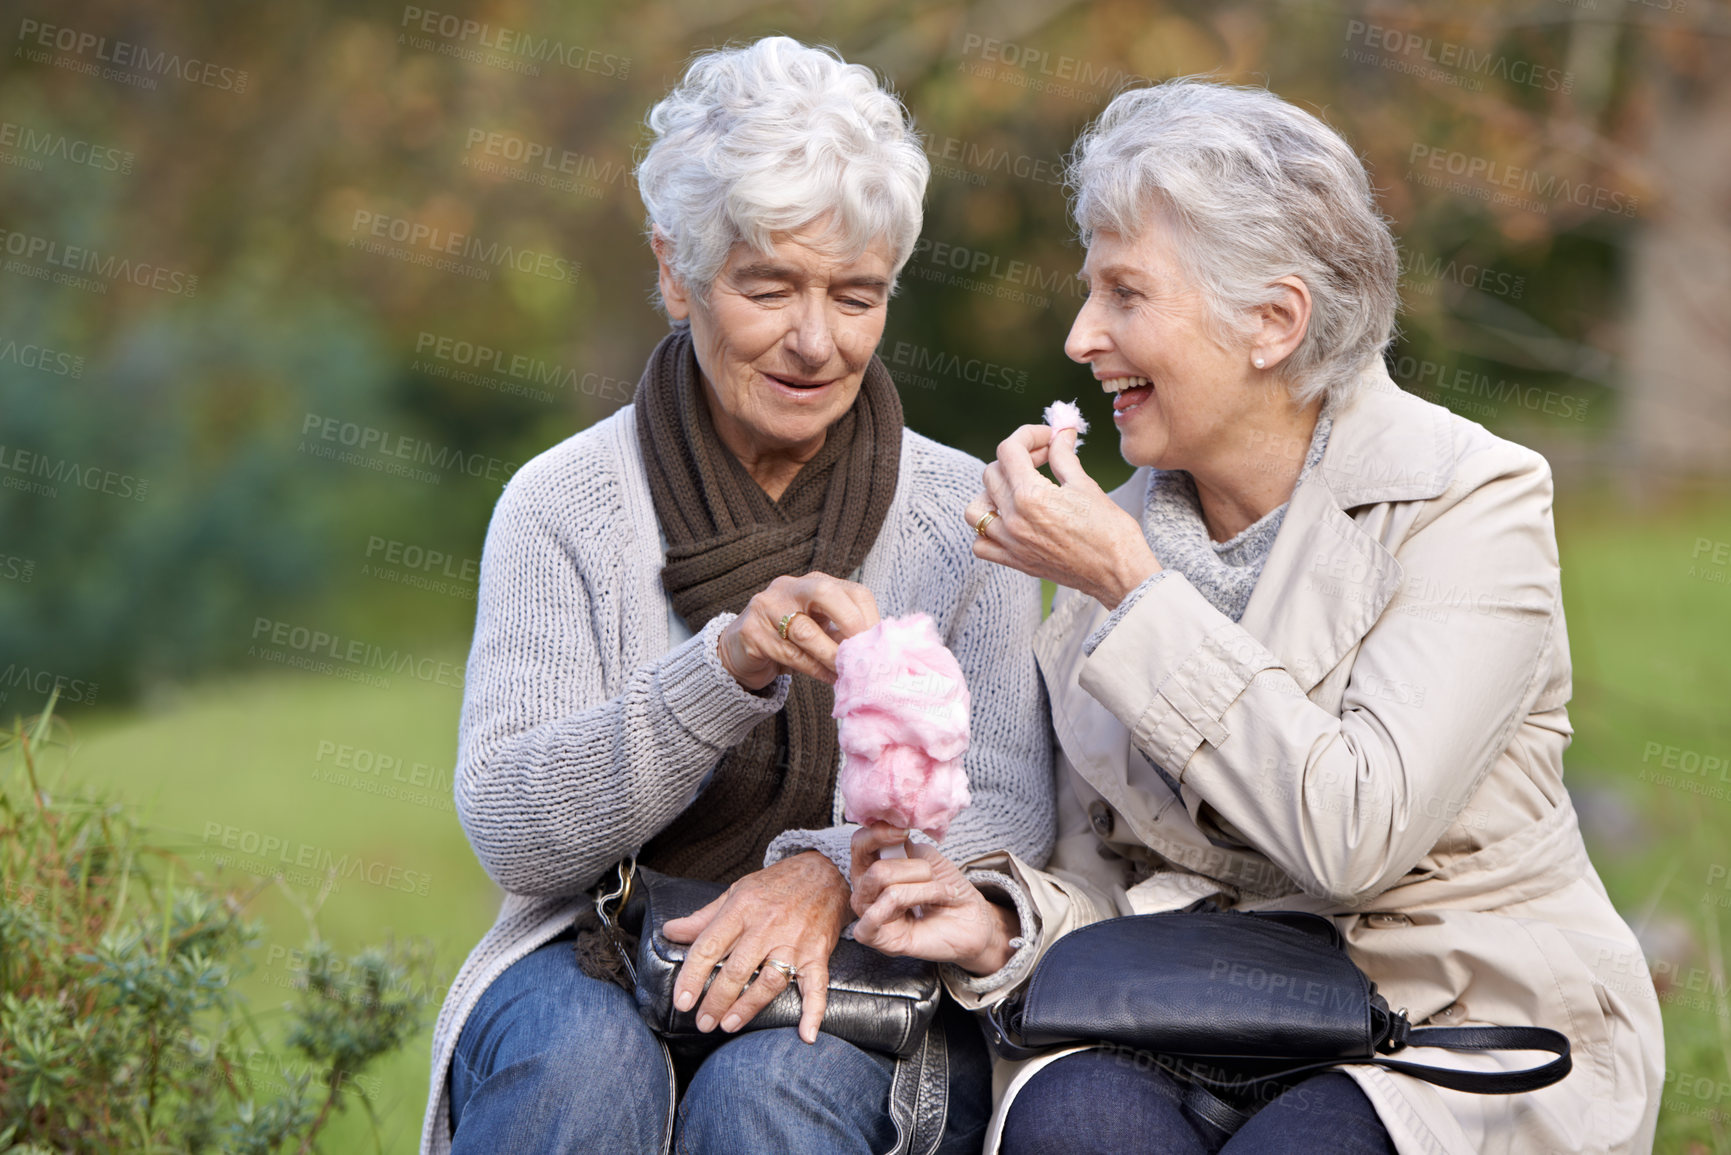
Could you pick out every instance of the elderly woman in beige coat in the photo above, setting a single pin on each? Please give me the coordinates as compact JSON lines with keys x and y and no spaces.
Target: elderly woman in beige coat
{"x":1311,"y":656}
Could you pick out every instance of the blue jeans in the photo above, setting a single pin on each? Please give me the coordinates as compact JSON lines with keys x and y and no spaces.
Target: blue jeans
{"x":551,"y":1060}
{"x":1101,"y":1103}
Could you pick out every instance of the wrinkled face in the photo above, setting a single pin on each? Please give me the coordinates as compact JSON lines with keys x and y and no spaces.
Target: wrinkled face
{"x":1143,"y":331}
{"x":785,"y":337}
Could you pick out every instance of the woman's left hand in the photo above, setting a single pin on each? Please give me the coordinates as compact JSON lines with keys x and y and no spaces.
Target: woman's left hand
{"x":791,"y":912}
{"x":955,"y":923}
{"x":1072,"y":533}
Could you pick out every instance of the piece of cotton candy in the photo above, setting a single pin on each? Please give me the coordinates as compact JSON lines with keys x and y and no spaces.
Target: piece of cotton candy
{"x":901,"y":710}
{"x":1061,"y":415}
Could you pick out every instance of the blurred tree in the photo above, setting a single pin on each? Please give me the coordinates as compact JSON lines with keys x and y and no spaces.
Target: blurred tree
{"x":1550,"y":167}
{"x":1679,"y":412}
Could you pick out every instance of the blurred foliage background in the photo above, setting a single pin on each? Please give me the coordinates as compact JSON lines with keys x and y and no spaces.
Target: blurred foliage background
{"x":287,"y":292}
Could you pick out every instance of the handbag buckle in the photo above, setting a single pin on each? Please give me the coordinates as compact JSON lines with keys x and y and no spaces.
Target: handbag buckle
{"x":624,"y":882}
{"x":1004,"y":1034}
{"x":1398,"y":1029}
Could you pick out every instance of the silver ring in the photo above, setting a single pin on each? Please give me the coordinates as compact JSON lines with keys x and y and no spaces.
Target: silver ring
{"x":788,"y":969}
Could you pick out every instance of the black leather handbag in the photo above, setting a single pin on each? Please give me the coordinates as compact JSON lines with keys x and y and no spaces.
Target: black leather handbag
{"x":876,"y":1001}
{"x":1240,"y":1004}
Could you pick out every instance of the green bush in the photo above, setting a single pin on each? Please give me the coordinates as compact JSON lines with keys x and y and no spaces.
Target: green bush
{"x":211,"y":516}
{"x":120,"y":1028}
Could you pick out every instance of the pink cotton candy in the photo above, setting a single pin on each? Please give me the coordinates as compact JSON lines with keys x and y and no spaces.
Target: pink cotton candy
{"x":1062,"y":415}
{"x":901,"y":710}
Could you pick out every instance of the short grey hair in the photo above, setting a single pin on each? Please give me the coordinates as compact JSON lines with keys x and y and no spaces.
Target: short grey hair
{"x":1254,"y":189}
{"x":770,"y":138}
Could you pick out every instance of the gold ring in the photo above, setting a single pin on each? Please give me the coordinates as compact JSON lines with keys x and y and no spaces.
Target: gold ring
{"x":787,"y":969}
{"x":786,"y":619}
{"x":980,"y":526}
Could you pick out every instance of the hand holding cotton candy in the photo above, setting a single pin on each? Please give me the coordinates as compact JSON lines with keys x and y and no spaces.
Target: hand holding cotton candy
{"x":901,"y":708}
{"x":1062,"y":415}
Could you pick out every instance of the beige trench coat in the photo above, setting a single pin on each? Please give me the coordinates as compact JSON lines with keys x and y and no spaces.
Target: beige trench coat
{"x":1380,"y":739}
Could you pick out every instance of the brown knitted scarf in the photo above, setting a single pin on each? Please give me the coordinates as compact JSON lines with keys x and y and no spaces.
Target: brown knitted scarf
{"x":726,"y":541}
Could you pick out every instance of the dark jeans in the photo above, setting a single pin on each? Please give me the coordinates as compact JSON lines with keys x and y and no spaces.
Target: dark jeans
{"x":1101,"y":1103}
{"x":551,"y":1060}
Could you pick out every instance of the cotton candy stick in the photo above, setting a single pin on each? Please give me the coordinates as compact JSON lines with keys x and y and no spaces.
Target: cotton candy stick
{"x":899,"y":851}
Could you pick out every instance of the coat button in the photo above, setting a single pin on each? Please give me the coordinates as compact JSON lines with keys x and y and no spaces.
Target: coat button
{"x":1100,"y":817}
{"x":1454,"y":1012}
{"x":1385,"y":921}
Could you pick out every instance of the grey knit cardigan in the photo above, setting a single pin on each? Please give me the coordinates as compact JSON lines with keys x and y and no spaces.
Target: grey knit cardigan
{"x":585,"y":730}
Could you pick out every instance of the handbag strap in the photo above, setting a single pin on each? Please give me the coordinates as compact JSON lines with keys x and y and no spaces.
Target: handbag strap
{"x":919,"y":1102}
{"x":1212,"y":1109}
{"x":1487,"y":1039}
{"x":1448,"y":1038}
{"x":1002,"y":1034}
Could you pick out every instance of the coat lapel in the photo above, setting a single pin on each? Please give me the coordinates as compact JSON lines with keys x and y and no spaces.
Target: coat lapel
{"x":1325,"y":583}
{"x":1328,"y":578}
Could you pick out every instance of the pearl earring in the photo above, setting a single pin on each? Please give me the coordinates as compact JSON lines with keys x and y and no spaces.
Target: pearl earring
{"x":1256,"y":361}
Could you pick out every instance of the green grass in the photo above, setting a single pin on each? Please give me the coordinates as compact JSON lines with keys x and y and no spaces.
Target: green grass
{"x":1650,"y":630}
{"x":1652,"y":655}
{"x":242,"y":756}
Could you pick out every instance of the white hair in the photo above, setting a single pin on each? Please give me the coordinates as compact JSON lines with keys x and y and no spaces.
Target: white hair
{"x":1253,"y":189}
{"x":770,"y":138}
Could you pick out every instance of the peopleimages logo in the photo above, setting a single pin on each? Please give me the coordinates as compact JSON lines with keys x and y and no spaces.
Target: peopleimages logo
{"x":267,"y":854}
{"x":1431,"y":164}
{"x":1037,"y":69}
{"x":518,"y":158}
{"x":974,"y":370}
{"x":1476,"y":391}
{"x":1464,"y":273}
{"x":390,"y":452}
{"x":481,"y":43}
{"x":488,"y":366}
{"x":41,"y":358}
{"x":323,"y":647}
{"x":1459,"y":59}
{"x":440,"y":242}
{"x":45,"y":682}
{"x":982,"y":272}
{"x":37,"y":39}
{"x":55,"y":255}
{"x":977,"y":161}
{"x":35,"y":144}
{"x":419,"y":567}
{"x":20,"y":469}
{"x":422,"y":559}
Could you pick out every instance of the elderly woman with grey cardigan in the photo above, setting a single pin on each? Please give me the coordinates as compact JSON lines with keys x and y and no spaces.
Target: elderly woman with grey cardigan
{"x":1312,"y":656}
{"x":661,"y":599}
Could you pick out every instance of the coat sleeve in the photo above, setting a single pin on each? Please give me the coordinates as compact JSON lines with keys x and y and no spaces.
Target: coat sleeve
{"x":1348,"y":803}
{"x":1009,"y":755}
{"x":1077,"y":887}
{"x":555,"y":779}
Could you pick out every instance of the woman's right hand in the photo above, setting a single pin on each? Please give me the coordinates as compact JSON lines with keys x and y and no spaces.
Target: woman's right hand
{"x":1071,"y":533}
{"x":955,"y":923}
{"x":827,"y":610}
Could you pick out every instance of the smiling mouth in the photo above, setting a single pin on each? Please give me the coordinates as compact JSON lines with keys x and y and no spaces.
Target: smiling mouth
{"x":797,"y":383}
{"x":1129,"y":392}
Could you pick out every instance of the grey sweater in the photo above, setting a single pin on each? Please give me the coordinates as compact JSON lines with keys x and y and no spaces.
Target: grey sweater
{"x":586,"y":728}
